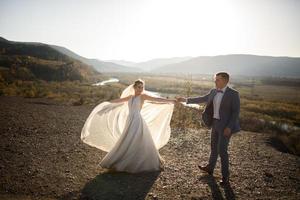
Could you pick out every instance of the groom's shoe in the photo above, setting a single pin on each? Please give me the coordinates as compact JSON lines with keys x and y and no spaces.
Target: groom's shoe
{"x":206,"y":169}
{"x":224,"y":182}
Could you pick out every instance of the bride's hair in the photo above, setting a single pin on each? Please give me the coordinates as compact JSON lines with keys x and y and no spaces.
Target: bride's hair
{"x":137,"y":82}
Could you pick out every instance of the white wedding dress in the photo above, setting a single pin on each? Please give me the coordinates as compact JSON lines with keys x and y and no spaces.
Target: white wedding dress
{"x":130,"y":132}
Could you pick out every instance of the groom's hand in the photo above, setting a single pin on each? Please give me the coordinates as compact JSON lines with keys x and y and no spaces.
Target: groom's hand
{"x":227,"y":132}
{"x":181,"y":99}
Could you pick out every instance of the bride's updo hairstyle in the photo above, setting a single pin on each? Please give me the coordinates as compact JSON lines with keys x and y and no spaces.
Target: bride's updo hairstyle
{"x":138,"y":82}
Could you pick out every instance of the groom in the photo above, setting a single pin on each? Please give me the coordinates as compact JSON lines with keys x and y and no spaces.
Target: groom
{"x":221,"y":114}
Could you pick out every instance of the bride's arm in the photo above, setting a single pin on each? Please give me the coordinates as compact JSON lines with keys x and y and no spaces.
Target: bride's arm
{"x":121,"y":99}
{"x":157,"y":99}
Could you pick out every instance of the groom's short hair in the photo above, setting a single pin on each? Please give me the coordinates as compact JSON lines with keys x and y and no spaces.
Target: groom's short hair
{"x":224,"y":75}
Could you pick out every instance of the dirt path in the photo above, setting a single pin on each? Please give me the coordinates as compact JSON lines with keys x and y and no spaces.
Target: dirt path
{"x":42,"y":157}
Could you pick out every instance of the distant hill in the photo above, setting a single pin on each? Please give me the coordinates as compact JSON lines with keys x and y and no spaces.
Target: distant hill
{"x":30,"y":61}
{"x":100,"y":66}
{"x":123,"y":62}
{"x":151,"y":64}
{"x":159,"y":62}
{"x":238,"y":64}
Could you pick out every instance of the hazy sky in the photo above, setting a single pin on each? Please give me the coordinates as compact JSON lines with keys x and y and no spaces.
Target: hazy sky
{"x":139,"y":30}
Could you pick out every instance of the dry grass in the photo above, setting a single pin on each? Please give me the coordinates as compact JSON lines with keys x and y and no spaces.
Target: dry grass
{"x":264,"y":108}
{"x":70,"y":92}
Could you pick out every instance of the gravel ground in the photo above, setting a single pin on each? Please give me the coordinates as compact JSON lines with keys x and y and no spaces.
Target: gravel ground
{"x":42,"y":157}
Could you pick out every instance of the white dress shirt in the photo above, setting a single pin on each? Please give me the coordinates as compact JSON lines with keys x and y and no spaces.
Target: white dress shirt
{"x":217,"y":102}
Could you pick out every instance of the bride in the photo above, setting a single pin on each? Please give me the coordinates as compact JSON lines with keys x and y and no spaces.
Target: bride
{"x":131,"y":129}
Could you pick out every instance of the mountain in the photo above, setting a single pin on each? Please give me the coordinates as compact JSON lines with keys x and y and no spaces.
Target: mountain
{"x":151,"y":64}
{"x":238,"y":64}
{"x":100,"y":66}
{"x":123,"y":62}
{"x":157,"y":63}
{"x":30,"y":61}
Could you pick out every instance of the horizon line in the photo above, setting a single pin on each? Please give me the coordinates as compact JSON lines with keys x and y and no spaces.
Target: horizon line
{"x":151,"y":59}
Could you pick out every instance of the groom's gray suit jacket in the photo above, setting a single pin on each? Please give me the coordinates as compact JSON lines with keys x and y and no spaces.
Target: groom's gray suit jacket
{"x":229,"y":108}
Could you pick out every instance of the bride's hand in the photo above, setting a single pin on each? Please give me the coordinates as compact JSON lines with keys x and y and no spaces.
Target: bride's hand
{"x":173,"y":101}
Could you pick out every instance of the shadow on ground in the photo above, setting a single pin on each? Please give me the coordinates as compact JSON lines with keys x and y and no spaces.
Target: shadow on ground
{"x":215,"y":189}
{"x":112,"y":186}
{"x":44,"y":103}
{"x":277,"y":144}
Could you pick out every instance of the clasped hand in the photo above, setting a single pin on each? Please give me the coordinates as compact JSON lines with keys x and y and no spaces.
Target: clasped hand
{"x":180,"y":99}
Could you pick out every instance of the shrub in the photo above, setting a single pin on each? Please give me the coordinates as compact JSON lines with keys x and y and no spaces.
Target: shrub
{"x":185,"y":117}
{"x":291,"y":141}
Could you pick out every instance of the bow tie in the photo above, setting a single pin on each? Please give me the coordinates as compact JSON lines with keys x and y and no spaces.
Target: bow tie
{"x":220,"y":91}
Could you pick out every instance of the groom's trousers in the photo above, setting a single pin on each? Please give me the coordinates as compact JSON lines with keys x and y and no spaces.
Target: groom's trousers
{"x":219,"y":146}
